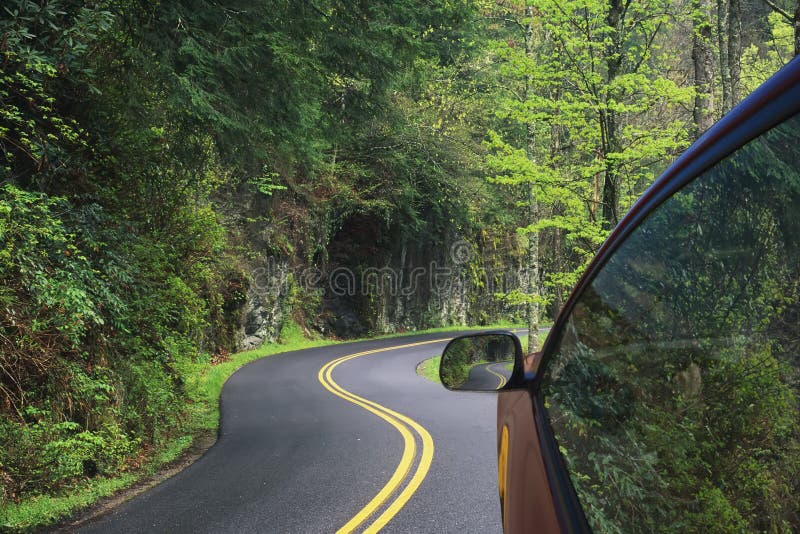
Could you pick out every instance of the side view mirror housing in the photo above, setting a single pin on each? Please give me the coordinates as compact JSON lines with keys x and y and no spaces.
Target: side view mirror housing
{"x":487,"y":361}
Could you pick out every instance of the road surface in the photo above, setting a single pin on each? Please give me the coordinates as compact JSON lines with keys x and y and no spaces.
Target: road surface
{"x":341,"y":436}
{"x":488,"y":376}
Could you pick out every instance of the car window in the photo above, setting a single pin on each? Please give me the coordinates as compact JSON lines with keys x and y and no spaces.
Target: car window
{"x":673,"y":393}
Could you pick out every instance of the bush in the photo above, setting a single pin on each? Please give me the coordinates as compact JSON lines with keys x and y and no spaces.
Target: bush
{"x":99,"y":321}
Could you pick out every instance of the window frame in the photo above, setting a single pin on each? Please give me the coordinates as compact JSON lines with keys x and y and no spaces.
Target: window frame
{"x":774,"y":102}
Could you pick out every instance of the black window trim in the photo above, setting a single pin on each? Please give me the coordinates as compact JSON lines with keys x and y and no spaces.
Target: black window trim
{"x":772,"y":103}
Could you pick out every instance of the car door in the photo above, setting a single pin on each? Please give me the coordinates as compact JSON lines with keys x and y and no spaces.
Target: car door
{"x":667,"y":396}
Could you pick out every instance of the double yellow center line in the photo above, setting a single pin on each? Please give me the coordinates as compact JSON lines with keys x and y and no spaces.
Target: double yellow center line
{"x":404,"y":426}
{"x":502,"y":378}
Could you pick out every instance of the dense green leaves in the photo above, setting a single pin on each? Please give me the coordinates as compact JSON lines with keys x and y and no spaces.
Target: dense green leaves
{"x":133,"y":136}
{"x":151,"y":153}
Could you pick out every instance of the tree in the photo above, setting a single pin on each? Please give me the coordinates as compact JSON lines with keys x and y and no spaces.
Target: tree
{"x":790,"y":15}
{"x":580,"y":95}
{"x":703,"y":60}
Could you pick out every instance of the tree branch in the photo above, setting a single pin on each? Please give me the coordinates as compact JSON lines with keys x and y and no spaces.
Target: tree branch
{"x":779,"y":11}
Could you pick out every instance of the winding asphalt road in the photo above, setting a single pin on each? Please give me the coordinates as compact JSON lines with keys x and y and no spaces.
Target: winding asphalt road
{"x":488,"y":376}
{"x":314,"y":440}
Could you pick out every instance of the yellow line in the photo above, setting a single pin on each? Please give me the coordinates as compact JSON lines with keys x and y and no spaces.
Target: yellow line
{"x":414,"y":483}
{"x":409,"y":451}
{"x":396,"y":420}
{"x":498,"y":375}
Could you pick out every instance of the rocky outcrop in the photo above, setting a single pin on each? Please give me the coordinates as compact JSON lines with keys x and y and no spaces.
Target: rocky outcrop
{"x":368,"y":279}
{"x":266,"y":307}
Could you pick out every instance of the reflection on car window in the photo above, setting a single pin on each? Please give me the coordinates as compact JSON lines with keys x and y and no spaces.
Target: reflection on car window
{"x":674,"y":393}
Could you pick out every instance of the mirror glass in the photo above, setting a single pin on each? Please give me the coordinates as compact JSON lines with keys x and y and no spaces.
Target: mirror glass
{"x":479,"y":362}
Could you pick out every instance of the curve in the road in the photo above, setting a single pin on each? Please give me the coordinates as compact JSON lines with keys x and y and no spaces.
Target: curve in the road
{"x":502,"y":378}
{"x":403,"y":425}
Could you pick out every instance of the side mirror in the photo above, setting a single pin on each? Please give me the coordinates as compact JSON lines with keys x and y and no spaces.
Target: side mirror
{"x":488,"y":361}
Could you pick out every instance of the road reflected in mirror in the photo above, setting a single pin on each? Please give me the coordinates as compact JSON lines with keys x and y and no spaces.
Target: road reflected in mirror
{"x":478,"y":362}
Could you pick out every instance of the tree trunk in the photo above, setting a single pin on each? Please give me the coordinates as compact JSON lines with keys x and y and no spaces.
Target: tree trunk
{"x":734,"y":49}
{"x":703,"y":67}
{"x":722,"y":44}
{"x":608,"y":118}
{"x":533,"y":274}
{"x":595,"y":195}
{"x":797,"y":28}
{"x":610,"y":196}
{"x":610,"y":193}
{"x":534,"y":293}
{"x":557,"y":251}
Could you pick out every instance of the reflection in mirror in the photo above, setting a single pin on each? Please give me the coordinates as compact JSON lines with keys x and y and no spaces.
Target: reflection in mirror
{"x":478,"y":362}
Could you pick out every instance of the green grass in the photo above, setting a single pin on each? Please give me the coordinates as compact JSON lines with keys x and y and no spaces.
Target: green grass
{"x":430,"y":369}
{"x":204,"y":387}
{"x":44,"y":510}
{"x":172,"y":451}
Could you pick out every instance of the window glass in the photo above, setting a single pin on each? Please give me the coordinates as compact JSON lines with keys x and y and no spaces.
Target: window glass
{"x":673,"y":395}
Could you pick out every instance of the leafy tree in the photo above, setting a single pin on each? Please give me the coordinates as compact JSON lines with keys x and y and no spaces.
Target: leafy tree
{"x":582,"y":95}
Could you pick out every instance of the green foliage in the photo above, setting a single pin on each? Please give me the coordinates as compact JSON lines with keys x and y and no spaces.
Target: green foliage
{"x":121,"y":141}
{"x":45,"y":50}
{"x":41,"y":263}
{"x":44,"y":453}
{"x":45,"y":509}
{"x":459,"y":359}
{"x":265,"y":184}
{"x":150,"y":150}
{"x":586,"y":119}
{"x":779,"y":49}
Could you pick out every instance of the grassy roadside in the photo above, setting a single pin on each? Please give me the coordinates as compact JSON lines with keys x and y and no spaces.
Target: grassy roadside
{"x":202,"y":421}
{"x":430,"y":369}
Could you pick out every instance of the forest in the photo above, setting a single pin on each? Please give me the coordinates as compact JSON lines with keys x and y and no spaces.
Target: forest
{"x":183,"y":180}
